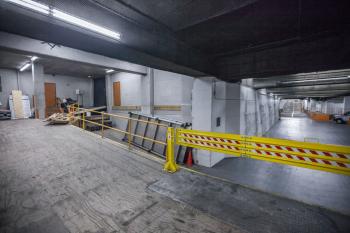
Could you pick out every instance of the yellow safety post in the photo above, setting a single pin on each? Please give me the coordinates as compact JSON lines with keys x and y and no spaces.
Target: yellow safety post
{"x":129,"y":133}
{"x":83,"y":120}
{"x":103,"y":120}
{"x":170,"y":164}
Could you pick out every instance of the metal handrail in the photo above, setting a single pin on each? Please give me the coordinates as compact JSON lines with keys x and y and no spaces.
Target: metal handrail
{"x":73,"y":109}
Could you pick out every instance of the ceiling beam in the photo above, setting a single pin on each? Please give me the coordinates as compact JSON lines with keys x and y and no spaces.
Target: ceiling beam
{"x":30,"y":46}
{"x":329,"y":87}
{"x":328,"y":52}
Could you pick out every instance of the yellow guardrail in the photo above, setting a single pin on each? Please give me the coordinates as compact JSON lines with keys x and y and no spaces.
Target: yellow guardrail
{"x":76,"y":113}
{"x":330,"y":158}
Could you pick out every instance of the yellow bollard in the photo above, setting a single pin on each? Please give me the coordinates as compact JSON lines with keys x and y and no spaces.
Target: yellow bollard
{"x":103,"y":122}
{"x":170,"y":164}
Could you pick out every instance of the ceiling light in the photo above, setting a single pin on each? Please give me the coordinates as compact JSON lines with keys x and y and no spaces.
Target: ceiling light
{"x":315,"y":80}
{"x":109,"y":71}
{"x":33,"y":58}
{"x":32,"y":5}
{"x":24,"y":67}
{"x":85,"y":24}
{"x":66,"y":17}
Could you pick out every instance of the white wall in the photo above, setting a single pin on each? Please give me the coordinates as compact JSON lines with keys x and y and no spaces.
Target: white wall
{"x":330,"y":106}
{"x":65,"y":85}
{"x":346,"y":104}
{"x":173,"y":89}
{"x":130,"y":88}
{"x":10,"y":82}
{"x":169,"y":89}
{"x":259,"y":111}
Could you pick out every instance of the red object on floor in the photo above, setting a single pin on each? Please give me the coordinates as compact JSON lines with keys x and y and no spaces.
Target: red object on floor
{"x":189,"y":161}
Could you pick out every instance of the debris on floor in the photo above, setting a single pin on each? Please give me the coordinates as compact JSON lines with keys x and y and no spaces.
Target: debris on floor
{"x":5,"y":114}
{"x":57,"y":118}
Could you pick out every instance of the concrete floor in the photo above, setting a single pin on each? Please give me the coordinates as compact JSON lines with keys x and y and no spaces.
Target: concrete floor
{"x":60,"y":179}
{"x":303,"y":128}
{"x":318,"y":188}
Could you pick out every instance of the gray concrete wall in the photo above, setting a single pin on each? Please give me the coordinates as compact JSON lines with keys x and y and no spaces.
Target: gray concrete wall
{"x":10,"y":82}
{"x":173,"y":89}
{"x":330,"y":106}
{"x":130,"y":88}
{"x":346,"y":104}
{"x":169,"y":89}
{"x":258,"y":111}
{"x":65,"y":85}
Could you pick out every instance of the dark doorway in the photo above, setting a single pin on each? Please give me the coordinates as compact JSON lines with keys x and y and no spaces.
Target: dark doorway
{"x":100,"y":92}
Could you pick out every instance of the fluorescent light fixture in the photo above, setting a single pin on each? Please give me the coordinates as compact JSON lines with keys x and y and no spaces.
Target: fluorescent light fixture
{"x":33,"y":58}
{"x":24,"y":67}
{"x":66,"y":17}
{"x":316,"y":80}
{"x":32,"y":5}
{"x":85,"y":24}
{"x":109,"y":71}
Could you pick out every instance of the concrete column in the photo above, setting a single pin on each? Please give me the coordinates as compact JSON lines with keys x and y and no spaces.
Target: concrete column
{"x":109,"y":92}
{"x":210,"y":106}
{"x":186,"y":103}
{"x":147,"y":100}
{"x":39,"y":88}
{"x":346,"y":104}
{"x":202,"y":97}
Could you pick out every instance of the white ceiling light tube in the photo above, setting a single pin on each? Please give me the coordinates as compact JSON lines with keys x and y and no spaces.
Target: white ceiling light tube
{"x":24,"y":67}
{"x":109,"y":71}
{"x":33,"y":58}
{"x":316,"y":80}
{"x":32,"y":5}
{"x":85,"y":24}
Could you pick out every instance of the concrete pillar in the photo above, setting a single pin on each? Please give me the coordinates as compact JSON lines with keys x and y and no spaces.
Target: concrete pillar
{"x":39,"y":88}
{"x":147,"y":94}
{"x":109,"y":92}
{"x":346,"y":104}
{"x":212,"y":111}
{"x":202,"y":97}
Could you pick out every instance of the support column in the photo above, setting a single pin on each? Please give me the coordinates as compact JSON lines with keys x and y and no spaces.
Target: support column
{"x":346,"y":104}
{"x":148,"y":93}
{"x":39,"y":89}
{"x":109,"y":93}
{"x":211,"y":111}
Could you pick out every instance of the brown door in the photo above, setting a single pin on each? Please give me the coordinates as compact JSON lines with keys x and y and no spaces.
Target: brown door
{"x":116,"y":94}
{"x":50,"y":98}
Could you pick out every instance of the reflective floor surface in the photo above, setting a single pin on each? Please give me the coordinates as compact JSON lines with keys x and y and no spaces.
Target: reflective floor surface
{"x":319,"y":188}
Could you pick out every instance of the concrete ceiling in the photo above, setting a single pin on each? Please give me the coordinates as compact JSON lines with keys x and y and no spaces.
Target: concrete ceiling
{"x":231,"y":40}
{"x":12,"y":60}
{"x":327,"y":84}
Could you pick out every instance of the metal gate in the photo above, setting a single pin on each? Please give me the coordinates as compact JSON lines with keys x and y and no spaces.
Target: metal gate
{"x":330,"y":158}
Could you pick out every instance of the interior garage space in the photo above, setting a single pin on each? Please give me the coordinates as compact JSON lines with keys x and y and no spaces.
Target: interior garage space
{"x":174,"y":116}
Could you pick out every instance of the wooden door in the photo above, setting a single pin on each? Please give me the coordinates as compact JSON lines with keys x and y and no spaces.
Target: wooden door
{"x":116,"y":94}
{"x":50,"y":98}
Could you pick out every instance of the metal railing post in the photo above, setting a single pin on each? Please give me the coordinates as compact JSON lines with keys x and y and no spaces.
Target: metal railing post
{"x":84,"y":121}
{"x":170,"y":164}
{"x":103,"y":122}
{"x":129,"y":133}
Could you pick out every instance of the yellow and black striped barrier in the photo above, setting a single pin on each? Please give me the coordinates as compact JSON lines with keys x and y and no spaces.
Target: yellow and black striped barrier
{"x":330,"y":158}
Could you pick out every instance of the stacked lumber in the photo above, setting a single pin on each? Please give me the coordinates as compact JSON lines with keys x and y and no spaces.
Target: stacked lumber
{"x":57,"y":118}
